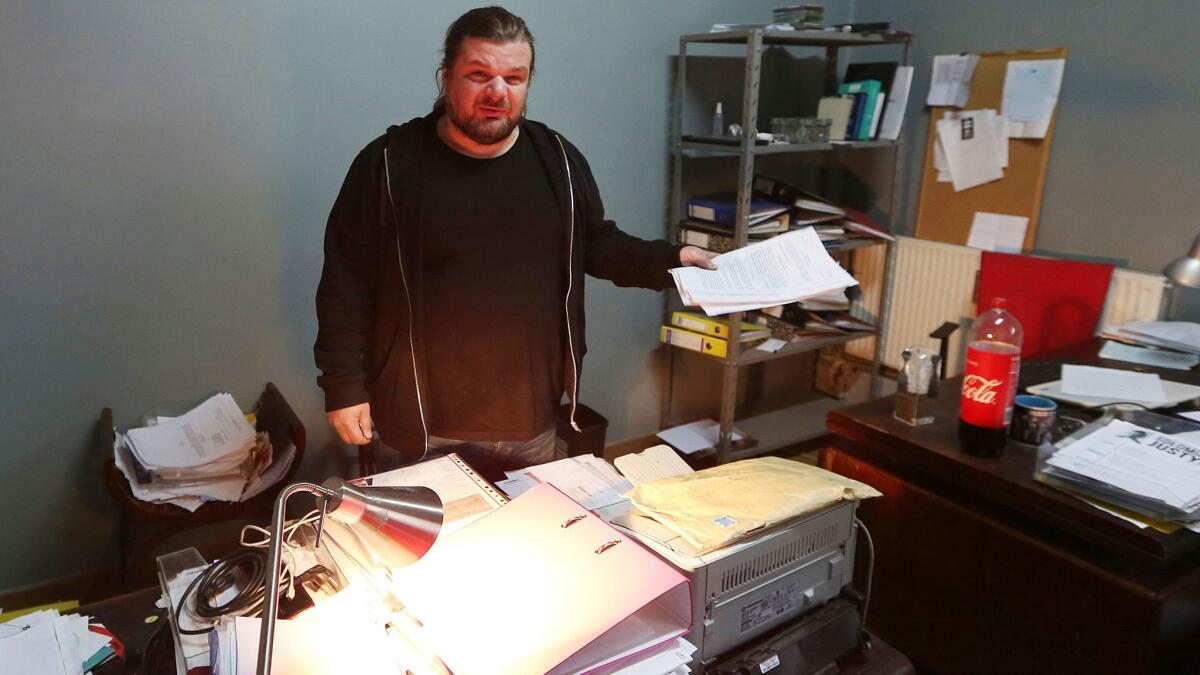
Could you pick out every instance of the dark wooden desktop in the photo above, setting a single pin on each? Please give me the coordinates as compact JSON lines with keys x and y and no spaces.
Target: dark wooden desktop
{"x":150,"y":650}
{"x":980,"y":569}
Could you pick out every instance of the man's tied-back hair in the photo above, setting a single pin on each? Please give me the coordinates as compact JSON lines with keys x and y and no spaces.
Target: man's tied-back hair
{"x":486,"y":23}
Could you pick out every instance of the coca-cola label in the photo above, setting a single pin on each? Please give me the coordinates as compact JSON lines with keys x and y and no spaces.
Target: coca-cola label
{"x":989,"y":386}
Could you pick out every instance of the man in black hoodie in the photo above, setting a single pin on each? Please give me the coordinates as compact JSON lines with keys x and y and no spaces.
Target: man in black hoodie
{"x":450,"y":308}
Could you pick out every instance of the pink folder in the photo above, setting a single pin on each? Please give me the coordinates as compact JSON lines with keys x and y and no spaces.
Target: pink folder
{"x":542,"y":585}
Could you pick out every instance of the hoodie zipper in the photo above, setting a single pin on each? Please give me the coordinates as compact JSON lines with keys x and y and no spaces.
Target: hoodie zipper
{"x":570,"y":282}
{"x":412,"y":350}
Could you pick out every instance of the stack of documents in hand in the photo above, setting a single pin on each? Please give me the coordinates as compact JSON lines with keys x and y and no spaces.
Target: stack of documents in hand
{"x":1181,"y":336}
{"x":787,"y":268}
{"x":48,"y":643}
{"x":1133,"y":467}
{"x":209,"y":453}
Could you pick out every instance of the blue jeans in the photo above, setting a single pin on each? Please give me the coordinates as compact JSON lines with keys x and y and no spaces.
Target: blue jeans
{"x":490,"y":459}
{"x":499,"y":456}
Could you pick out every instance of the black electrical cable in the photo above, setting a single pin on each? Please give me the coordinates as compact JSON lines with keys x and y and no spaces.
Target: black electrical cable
{"x":244,"y":569}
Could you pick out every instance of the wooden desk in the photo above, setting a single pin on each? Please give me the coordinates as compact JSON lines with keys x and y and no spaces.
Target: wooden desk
{"x":125,"y":615}
{"x":979,"y":569}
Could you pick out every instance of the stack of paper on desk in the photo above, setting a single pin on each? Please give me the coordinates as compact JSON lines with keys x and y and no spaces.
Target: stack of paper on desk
{"x":589,"y":480}
{"x":48,"y":643}
{"x":1134,"y":467}
{"x":1181,"y":336}
{"x":783,"y":269}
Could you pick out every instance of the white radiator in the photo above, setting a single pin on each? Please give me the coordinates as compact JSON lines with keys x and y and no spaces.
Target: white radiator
{"x":933,"y":283}
{"x":1134,"y":296}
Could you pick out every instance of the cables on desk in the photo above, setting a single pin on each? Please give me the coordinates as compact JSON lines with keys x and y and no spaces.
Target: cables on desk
{"x":245,"y":570}
{"x":245,"y":565}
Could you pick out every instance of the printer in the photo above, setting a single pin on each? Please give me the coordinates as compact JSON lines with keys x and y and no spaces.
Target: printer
{"x":757,"y":589}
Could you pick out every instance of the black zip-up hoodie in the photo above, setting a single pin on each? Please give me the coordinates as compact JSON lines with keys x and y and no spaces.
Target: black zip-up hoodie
{"x":370,"y":339}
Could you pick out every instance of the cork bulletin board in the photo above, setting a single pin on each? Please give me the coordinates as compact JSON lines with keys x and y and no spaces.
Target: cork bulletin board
{"x":945,"y":215}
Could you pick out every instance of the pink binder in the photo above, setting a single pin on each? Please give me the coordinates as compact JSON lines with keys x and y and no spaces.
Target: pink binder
{"x":541,"y":585}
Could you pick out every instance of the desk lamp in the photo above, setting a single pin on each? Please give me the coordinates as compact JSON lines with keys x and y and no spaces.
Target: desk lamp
{"x":400,"y":521}
{"x":1185,"y":271}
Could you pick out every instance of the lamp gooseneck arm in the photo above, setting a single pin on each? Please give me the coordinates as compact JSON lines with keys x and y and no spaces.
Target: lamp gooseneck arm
{"x":266,"y":636}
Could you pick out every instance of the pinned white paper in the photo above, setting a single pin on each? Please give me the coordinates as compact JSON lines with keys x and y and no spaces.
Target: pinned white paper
{"x":970,"y":147}
{"x":950,"y":83}
{"x":997,"y":232}
{"x":1030,"y":94}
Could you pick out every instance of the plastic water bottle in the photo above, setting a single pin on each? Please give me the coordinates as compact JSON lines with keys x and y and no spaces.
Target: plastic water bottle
{"x":990,"y":380}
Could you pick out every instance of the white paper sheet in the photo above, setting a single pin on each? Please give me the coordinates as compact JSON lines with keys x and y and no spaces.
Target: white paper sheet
{"x":1030,"y":94}
{"x":771,"y":345}
{"x":777,"y":271}
{"x":1124,"y":385}
{"x":897,"y":103}
{"x":999,"y":125}
{"x":696,"y":436}
{"x":211,"y":432}
{"x":997,"y":232}
{"x":970,"y":146}
{"x":34,"y":650}
{"x":591,"y":486}
{"x":653,"y":463}
{"x":1149,"y":357}
{"x":950,"y":83}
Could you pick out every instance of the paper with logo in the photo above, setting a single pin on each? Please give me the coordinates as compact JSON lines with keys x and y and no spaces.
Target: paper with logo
{"x":1139,"y":461}
{"x":970,"y":147}
{"x":570,"y":593}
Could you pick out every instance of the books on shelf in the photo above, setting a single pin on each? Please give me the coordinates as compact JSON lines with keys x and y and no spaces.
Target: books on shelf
{"x":837,"y":110}
{"x":722,"y":210}
{"x":702,"y":334}
{"x":814,"y":209}
{"x":699,"y":342}
{"x":698,"y":323}
{"x":868,"y":105}
{"x":796,"y":321}
{"x":778,"y":191}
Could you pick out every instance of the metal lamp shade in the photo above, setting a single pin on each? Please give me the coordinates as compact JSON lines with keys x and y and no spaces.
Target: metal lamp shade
{"x":1185,"y":271}
{"x":400,"y":522}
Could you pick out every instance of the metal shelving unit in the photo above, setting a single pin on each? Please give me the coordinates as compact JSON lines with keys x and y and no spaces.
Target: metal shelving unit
{"x":779,"y":428}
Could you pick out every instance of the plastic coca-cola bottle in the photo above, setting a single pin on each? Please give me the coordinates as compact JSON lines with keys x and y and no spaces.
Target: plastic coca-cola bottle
{"x":990,"y":380}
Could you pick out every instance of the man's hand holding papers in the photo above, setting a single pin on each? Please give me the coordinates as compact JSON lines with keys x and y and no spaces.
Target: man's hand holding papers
{"x":783,"y":269}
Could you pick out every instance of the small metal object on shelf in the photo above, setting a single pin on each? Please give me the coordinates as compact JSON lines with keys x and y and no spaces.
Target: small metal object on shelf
{"x":801,"y":129}
{"x":917,"y":384}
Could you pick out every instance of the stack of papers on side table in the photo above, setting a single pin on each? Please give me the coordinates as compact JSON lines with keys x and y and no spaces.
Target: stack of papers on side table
{"x":209,"y":453}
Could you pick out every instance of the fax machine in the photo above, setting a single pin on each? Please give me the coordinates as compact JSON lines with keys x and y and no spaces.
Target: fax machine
{"x":754,"y":587}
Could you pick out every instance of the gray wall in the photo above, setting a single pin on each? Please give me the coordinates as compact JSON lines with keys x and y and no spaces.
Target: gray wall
{"x":1122,"y":178}
{"x":165,"y":174}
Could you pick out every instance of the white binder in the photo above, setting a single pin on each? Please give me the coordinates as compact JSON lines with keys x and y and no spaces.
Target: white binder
{"x":541,"y":585}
